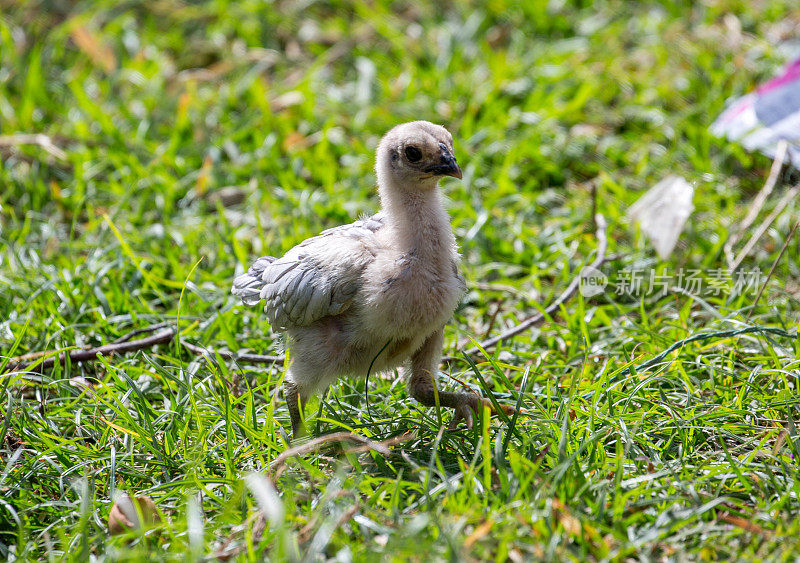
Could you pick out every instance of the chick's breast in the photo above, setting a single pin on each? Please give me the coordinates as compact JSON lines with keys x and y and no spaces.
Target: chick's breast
{"x":408,"y":296}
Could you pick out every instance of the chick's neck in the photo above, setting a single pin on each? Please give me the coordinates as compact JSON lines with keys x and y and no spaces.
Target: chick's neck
{"x":419,"y":220}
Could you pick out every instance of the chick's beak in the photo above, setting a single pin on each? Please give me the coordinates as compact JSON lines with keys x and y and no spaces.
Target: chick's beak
{"x":447,"y":165}
{"x":453,"y":169}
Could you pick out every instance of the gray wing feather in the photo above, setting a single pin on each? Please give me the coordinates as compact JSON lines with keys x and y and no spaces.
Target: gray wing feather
{"x":317,"y":278}
{"x":249,"y":286}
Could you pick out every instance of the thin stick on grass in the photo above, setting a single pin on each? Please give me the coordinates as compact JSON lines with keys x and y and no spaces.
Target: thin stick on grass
{"x":758,"y":202}
{"x":38,"y":139}
{"x":124,"y":345}
{"x":744,"y":524}
{"x":143,"y":330}
{"x":774,"y":265}
{"x":762,"y":228}
{"x":566,"y":295}
{"x":246,"y":358}
{"x":315,"y":444}
{"x":88,"y":354}
{"x":124,"y":338}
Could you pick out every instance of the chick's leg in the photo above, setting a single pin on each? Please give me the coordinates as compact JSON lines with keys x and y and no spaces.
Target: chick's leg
{"x":295,"y":401}
{"x":422,"y":386}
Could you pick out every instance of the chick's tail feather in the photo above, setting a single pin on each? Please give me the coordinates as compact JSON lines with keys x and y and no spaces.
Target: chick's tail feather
{"x":248,"y":286}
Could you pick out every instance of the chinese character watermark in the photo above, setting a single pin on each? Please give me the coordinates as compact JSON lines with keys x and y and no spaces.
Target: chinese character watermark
{"x":637,"y":282}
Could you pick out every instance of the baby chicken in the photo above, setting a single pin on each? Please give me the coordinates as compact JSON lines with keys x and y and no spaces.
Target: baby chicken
{"x":375,"y":293}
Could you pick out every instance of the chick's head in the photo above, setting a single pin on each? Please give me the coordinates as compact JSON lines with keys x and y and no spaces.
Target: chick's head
{"x":416,"y":154}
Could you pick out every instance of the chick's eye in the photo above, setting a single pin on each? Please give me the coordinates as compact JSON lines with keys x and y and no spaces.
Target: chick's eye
{"x":413,"y":154}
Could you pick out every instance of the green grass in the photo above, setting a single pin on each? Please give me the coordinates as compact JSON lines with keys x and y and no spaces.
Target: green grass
{"x":157,"y":106}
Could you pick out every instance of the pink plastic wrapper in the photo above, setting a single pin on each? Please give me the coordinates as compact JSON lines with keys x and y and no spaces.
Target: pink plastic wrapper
{"x":762,"y":118}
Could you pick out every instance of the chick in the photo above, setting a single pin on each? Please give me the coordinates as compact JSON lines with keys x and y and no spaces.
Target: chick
{"x":374,"y":294}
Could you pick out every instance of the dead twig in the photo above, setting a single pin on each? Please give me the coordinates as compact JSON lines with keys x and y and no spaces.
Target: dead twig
{"x":572,"y":288}
{"x":365,"y":444}
{"x":124,"y":344}
{"x":484,"y":286}
{"x":743,"y":523}
{"x":384,"y":444}
{"x":143,"y":330}
{"x":38,"y":139}
{"x":246,"y":357}
{"x":758,"y":202}
{"x":89,"y":354}
{"x":493,"y":318}
{"x":765,"y":224}
{"x":774,"y":265}
{"x":124,"y":338}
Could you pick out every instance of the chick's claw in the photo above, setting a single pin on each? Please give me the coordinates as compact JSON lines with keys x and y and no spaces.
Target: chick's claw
{"x":466,"y":412}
